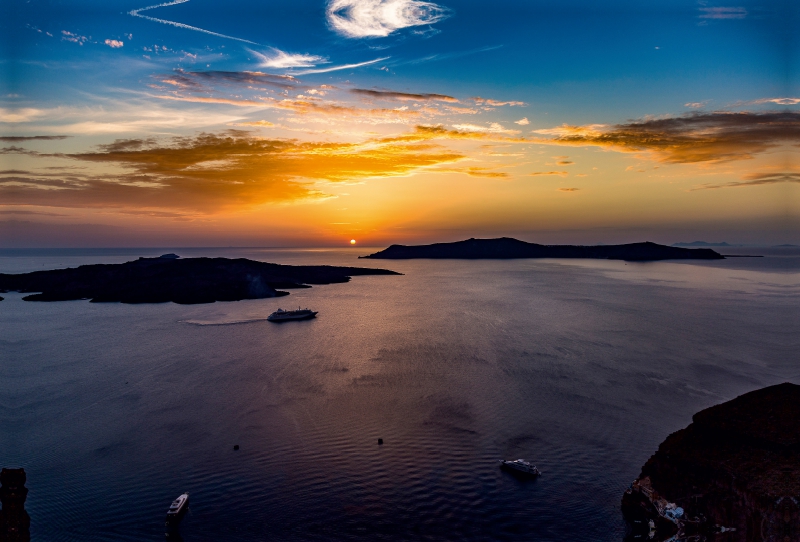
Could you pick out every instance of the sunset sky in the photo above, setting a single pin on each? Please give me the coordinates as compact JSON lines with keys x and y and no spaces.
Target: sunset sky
{"x":314,"y":122}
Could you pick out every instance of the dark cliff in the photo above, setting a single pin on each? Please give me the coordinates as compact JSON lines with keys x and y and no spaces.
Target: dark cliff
{"x":737,"y":465}
{"x":186,"y":281}
{"x":507,"y":248}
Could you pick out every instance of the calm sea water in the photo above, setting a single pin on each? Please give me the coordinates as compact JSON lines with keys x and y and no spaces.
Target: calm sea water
{"x":582,"y":367}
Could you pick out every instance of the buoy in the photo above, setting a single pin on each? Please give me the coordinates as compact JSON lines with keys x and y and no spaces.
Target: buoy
{"x":235,"y":446}
{"x":380,"y":441}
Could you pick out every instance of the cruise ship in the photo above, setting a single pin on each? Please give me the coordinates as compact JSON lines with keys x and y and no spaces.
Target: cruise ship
{"x":177,"y":510}
{"x":281,"y":315}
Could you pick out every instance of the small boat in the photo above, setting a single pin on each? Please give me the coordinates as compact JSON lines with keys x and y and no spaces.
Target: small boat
{"x":177,"y":510}
{"x":520,"y":465}
{"x":281,"y":315}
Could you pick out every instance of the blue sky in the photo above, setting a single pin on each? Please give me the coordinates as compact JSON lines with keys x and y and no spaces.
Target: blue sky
{"x":97,"y":72}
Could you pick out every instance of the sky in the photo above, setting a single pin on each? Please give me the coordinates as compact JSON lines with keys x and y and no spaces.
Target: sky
{"x":318,"y":122}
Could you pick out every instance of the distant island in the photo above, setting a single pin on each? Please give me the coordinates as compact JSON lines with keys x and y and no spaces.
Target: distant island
{"x":703,"y":244}
{"x":508,"y":248}
{"x":170,"y":278}
{"x":734,"y":469}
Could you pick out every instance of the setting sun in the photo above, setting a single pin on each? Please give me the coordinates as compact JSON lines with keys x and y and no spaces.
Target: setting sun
{"x":352,"y":241}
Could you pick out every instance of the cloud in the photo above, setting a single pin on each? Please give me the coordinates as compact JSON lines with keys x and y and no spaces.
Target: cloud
{"x":778,"y":101}
{"x":138,"y":13}
{"x":379,"y":18}
{"x":403,"y":96}
{"x":17,"y":139}
{"x":27,"y":212}
{"x":114,"y":44}
{"x":342,"y":67}
{"x":22,"y":114}
{"x":216,"y":171}
{"x":74,"y":38}
{"x":198,"y":81}
{"x":723,"y":13}
{"x":523,"y":121}
{"x":496,"y":103}
{"x":756,"y":179}
{"x":695,"y":137}
{"x":564,"y":163}
{"x":696,"y":105}
{"x":262,"y":123}
{"x":539,"y":173}
{"x":280,"y":59}
{"x":568,"y":189}
{"x":493,"y":128}
{"x":475,"y":172}
{"x":212,"y":100}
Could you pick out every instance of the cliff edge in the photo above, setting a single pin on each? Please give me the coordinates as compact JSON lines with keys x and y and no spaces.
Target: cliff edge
{"x":734,"y":469}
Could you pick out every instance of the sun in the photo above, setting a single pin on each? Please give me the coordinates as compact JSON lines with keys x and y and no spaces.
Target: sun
{"x":352,"y":241}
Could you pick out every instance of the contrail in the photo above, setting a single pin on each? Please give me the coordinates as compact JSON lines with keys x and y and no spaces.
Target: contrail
{"x":137,"y":13}
{"x":336,"y":68}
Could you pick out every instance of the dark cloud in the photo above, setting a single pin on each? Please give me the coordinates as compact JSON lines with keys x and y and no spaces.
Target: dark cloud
{"x":696,"y":137}
{"x":756,"y":179}
{"x":201,"y":80}
{"x":403,"y":96}
{"x":17,"y":139}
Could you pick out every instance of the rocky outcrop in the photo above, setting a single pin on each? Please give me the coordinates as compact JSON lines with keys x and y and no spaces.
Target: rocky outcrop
{"x":14,"y":520}
{"x":169,"y":278}
{"x":735,"y":468}
{"x":507,"y":248}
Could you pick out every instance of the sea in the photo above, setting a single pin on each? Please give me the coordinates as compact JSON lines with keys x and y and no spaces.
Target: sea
{"x":581,"y":367}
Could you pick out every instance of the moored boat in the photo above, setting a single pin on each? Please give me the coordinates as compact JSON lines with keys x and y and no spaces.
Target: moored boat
{"x":281,"y":315}
{"x":520,"y":465}
{"x":177,"y":510}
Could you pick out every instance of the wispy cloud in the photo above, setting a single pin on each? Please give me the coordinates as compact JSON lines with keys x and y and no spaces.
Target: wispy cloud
{"x":138,"y":13}
{"x":756,"y":179}
{"x":722,"y":13}
{"x":568,"y":189}
{"x":22,"y":114}
{"x":114,"y":44}
{"x":776,"y":101}
{"x":496,"y":103}
{"x":523,"y":121}
{"x":403,"y":96}
{"x":541,"y":173}
{"x":379,"y":18}
{"x":342,"y":67}
{"x":281,"y":59}
{"x":696,"y":137}
{"x":493,"y":128}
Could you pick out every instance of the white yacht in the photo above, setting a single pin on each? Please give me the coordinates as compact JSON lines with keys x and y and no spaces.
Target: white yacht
{"x":177,"y":509}
{"x":281,"y":315}
{"x":521,"y":465}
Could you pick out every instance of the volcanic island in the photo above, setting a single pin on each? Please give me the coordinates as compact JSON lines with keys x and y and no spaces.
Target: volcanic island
{"x":506,"y":248}
{"x":170,"y":278}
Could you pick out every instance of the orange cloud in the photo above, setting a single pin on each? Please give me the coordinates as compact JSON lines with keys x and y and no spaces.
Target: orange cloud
{"x":214,"y":171}
{"x":698,"y":137}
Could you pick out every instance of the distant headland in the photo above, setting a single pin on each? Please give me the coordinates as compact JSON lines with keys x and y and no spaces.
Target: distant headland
{"x":508,"y":248}
{"x":734,"y":469}
{"x":170,"y":278}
